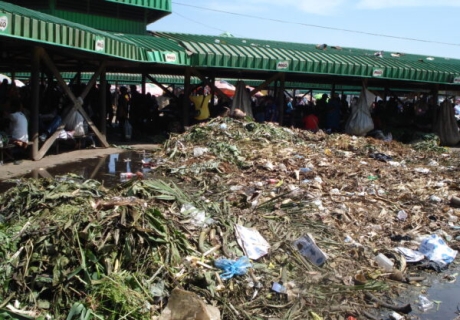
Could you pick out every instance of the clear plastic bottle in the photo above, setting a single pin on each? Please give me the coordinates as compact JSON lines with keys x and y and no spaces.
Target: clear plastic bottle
{"x":424,"y":303}
{"x":383,"y":261}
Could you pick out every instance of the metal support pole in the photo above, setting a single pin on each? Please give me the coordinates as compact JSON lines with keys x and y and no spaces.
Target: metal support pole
{"x":35,"y":100}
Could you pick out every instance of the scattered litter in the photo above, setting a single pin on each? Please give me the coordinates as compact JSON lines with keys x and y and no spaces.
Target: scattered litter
{"x":402,"y":215}
{"x":253,"y":244}
{"x":307,"y":247}
{"x":422,"y":170}
{"x":384,"y":262}
{"x":197,"y":217}
{"x":436,"y":250}
{"x":277,"y":287}
{"x":199,"y":151}
{"x":410,"y":255}
{"x":185,"y":305}
{"x":233,"y":268}
{"x":424,"y":304}
{"x":381,"y":157}
{"x":127,"y":247}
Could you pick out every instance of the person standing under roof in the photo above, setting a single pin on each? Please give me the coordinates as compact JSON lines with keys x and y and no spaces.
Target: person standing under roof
{"x":333,"y":114}
{"x":321,"y":109}
{"x":201,"y":104}
{"x":271,"y":110}
{"x":123,"y":110}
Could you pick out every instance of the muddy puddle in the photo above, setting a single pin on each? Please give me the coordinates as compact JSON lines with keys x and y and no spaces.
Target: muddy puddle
{"x":105,"y":169}
{"x":443,"y":289}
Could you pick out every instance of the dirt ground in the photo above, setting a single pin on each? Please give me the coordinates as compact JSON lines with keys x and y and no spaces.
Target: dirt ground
{"x":11,"y":170}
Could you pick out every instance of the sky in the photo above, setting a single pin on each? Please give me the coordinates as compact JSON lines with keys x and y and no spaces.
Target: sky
{"x":423,"y":27}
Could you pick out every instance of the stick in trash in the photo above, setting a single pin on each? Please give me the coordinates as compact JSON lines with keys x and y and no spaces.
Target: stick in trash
{"x":403,"y":308}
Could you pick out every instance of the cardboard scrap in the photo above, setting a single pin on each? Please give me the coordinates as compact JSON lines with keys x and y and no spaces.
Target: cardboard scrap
{"x":307,"y":247}
{"x":185,"y":305}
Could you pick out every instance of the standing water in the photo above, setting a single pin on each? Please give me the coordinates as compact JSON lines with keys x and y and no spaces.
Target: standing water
{"x":109,"y":169}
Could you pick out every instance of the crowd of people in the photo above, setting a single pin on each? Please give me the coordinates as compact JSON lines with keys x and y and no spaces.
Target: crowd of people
{"x":14,"y":120}
{"x":131,"y":113}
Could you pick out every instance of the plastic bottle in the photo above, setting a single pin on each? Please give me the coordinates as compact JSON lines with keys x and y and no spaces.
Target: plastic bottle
{"x":424,"y":303}
{"x":383,"y":261}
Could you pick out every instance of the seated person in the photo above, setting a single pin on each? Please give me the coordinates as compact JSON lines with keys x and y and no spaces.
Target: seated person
{"x":76,"y":126}
{"x":310,"y":121}
{"x":17,"y":129}
{"x":18,"y":124}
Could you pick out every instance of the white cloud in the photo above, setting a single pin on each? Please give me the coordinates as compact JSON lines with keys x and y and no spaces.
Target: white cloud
{"x":380,"y":4}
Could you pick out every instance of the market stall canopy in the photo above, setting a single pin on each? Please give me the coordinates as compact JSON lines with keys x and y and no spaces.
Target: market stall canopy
{"x":121,"y":16}
{"x":17,"y":82}
{"x":37,"y":28}
{"x":253,"y":54}
{"x":226,"y":87}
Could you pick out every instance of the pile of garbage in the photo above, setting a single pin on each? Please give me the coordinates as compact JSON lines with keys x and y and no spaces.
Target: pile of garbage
{"x":236,"y":220}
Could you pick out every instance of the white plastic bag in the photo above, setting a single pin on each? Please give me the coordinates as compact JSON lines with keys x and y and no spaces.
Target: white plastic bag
{"x":360,"y":121}
{"x":252,"y":242}
{"x":436,"y":249}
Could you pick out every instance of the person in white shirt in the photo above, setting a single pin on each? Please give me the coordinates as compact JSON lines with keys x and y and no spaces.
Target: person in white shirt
{"x":19,"y":125}
{"x":457,"y":108}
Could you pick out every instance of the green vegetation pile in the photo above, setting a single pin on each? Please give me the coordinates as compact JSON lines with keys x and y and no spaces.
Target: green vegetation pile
{"x":73,"y":249}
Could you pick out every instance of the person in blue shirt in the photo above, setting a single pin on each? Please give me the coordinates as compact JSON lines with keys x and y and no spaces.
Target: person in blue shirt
{"x":333,"y":114}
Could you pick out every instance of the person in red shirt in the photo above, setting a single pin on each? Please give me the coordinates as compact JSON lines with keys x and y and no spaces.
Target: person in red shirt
{"x":310,"y":121}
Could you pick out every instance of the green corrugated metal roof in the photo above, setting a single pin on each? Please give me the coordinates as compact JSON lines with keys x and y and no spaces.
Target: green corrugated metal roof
{"x":242,"y":53}
{"x":113,"y":77}
{"x":126,"y":16}
{"x":164,"y":5}
{"x":32,"y":25}
{"x":159,"y":49}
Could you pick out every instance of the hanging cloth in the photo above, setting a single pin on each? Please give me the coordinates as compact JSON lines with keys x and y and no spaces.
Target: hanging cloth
{"x":360,"y":121}
{"x":242,"y":99}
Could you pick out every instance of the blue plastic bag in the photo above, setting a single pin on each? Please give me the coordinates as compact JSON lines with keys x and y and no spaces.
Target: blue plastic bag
{"x":233,"y":267}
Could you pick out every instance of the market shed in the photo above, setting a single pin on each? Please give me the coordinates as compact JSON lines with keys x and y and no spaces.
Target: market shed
{"x":45,"y":46}
{"x":282,"y":64}
{"x":252,"y":58}
{"x":122,"y":16}
{"x":105,"y":36}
